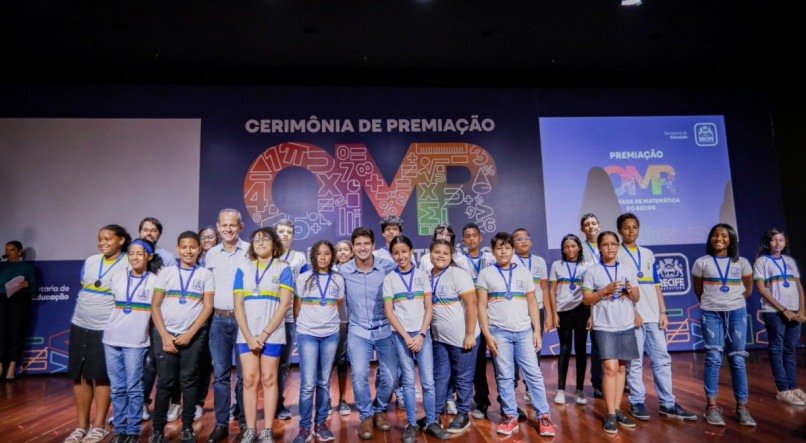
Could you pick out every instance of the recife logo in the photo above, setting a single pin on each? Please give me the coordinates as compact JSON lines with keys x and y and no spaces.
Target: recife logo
{"x":343,"y":178}
{"x":705,"y":134}
{"x":673,"y":271}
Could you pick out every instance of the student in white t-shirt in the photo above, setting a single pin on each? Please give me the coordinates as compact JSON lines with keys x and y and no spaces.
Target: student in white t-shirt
{"x":344,"y":253}
{"x":589,"y":226}
{"x":783,"y":309}
{"x":263,"y":289}
{"x":511,"y":324}
{"x":650,"y":327}
{"x":565,"y":290}
{"x":722,"y":282}
{"x":391,"y":227}
{"x":612,"y":289}
{"x":455,"y":331}
{"x":297,"y":262}
{"x":444,"y":231}
{"x":319,"y":296}
{"x":408,"y":305}
{"x":182,"y":304}
{"x":126,"y":339}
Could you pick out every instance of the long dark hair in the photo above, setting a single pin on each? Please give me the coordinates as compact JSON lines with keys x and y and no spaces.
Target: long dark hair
{"x":733,"y":247}
{"x":312,"y":256}
{"x":575,"y":239}
{"x":767,"y":238}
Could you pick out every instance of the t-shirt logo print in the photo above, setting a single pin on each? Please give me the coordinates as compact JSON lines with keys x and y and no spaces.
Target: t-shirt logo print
{"x":198,"y":285}
{"x":142,"y":294}
{"x":520,"y":285}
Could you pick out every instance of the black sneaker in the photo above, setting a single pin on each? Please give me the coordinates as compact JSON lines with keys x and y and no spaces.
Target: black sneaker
{"x":610,"y":424}
{"x":638,"y":410}
{"x":597,"y":393}
{"x":410,"y":434}
{"x":437,"y":431}
{"x":677,"y":411}
{"x":157,"y":437}
{"x":219,"y":433}
{"x":121,"y":438}
{"x":624,"y":420}
{"x":283,"y":413}
{"x":188,"y":436}
{"x":460,"y":423}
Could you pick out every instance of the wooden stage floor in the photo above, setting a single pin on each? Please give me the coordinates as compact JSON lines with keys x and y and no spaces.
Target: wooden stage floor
{"x":41,"y":409}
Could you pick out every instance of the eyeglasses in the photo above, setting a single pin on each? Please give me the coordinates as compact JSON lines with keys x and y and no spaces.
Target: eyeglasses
{"x":523,"y":239}
{"x":257,"y":240}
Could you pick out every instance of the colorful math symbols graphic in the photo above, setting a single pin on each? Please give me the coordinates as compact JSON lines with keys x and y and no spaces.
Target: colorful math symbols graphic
{"x":657,"y":178}
{"x":343,"y":177}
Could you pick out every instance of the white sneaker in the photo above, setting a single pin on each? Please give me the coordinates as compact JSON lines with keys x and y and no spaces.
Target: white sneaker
{"x":580,"y":397}
{"x":174,"y":411}
{"x":790,"y":397}
{"x":76,"y":436}
{"x":560,"y":398}
{"x":450,"y":407}
{"x":526,"y":397}
{"x":96,"y":435}
{"x":799,"y":392}
{"x":146,"y":415}
{"x":198,"y":414}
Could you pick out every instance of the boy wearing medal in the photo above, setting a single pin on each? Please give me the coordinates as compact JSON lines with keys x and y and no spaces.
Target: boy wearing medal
{"x":510,"y":322}
{"x":650,"y":326}
{"x":183,"y":301}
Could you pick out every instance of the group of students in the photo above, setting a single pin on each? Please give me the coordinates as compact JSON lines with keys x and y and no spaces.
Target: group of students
{"x":441,"y":317}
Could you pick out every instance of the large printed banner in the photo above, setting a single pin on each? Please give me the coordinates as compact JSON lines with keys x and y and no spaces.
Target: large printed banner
{"x":332,"y":159}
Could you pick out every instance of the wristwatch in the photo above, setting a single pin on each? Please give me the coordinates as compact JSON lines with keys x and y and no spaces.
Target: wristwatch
{"x":422,"y":334}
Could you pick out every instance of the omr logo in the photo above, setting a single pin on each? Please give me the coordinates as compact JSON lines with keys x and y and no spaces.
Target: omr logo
{"x":673,"y":271}
{"x":705,"y":134}
{"x":343,"y":177}
{"x":657,"y":178}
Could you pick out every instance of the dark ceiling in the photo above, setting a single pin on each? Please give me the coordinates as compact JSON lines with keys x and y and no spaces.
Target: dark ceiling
{"x":540,"y":42}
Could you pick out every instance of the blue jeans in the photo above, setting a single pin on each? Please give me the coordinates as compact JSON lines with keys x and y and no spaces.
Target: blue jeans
{"x":783,"y":337}
{"x":125,"y":368}
{"x":316,"y":356}
{"x":360,"y":351}
{"x":454,"y":367}
{"x":652,"y":341}
{"x":517,"y":348}
{"x":425,"y":360}
{"x":725,"y":332}
{"x":223,"y":334}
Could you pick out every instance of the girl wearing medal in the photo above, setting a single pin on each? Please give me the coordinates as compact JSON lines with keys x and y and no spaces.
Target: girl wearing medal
{"x":722,"y":282}
{"x":183,"y":301}
{"x":783,"y":309}
{"x":455,"y":330}
{"x":407,"y":301}
{"x":565,"y":289}
{"x":262,"y":293}
{"x":87,"y":361}
{"x":612,"y":290}
{"x":126,"y":339}
{"x":319,"y":295}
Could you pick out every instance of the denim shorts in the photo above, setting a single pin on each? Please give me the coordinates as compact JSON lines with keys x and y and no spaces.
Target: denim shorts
{"x":617,"y":345}
{"x":269,"y":349}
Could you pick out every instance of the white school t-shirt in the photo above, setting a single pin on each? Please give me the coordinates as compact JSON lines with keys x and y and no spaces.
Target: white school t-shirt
{"x":130,"y":330}
{"x":318,"y":315}
{"x":408,"y":306}
{"x":765,"y":269}
{"x":298,"y":264}
{"x":567,"y":298}
{"x":590,"y":252}
{"x":608,"y":314}
{"x":647,"y":306}
{"x":507,"y":312}
{"x":713,"y":299}
{"x":478,"y":263}
{"x":179,"y":316}
{"x":261,"y":305}
{"x":537,"y":267}
{"x":448,"y":322}
{"x":95,"y":303}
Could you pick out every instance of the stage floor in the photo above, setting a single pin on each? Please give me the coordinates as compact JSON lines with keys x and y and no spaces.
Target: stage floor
{"x":41,"y":409}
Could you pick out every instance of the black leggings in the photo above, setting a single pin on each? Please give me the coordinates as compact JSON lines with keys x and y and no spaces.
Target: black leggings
{"x":15,"y":322}
{"x":572,"y":326}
